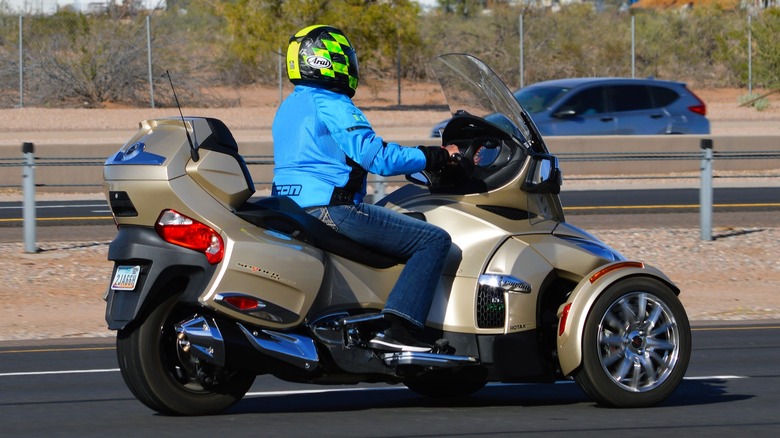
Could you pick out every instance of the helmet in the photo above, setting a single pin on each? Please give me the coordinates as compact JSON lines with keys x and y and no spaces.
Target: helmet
{"x":322,"y":55}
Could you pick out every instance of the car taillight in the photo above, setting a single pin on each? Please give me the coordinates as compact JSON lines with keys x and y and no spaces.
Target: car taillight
{"x":698,"y":109}
{"x":181,"y":230}
{"x":701,"y":108}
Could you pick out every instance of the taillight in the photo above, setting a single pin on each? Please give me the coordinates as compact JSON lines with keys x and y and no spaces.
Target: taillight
{"x":701,"y":108}
{"x":181,"y":230}
{"x":698,"y":109}
{"x":243,"y":303}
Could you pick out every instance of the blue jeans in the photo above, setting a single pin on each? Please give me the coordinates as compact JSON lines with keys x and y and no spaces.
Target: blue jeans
{"x":424,"y":247}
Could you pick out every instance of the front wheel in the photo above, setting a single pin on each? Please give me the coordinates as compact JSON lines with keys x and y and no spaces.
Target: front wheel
{"x":168,"y":381}
{"x":636,"y":345}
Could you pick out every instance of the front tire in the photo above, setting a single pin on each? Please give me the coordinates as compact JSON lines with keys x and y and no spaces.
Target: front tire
{"x":636,"y":345}
{"x":165,"y":380}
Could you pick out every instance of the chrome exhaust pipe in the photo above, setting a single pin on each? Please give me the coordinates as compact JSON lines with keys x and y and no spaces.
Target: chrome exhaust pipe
{"x":432,"y":360}
{"x":200,"y":338}
{"x":297,"y":350}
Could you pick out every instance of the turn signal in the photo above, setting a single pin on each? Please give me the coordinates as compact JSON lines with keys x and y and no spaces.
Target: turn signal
{"x":612,"y":267}
{"x":186,"y":232}
{"x":564,"y":317}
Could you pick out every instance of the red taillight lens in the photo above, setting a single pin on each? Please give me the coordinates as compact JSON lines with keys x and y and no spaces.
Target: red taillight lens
{"x":698,"y":109}
{"x":701,"y":108}
{"x":243,"y":303}
{"x":178,"y":229}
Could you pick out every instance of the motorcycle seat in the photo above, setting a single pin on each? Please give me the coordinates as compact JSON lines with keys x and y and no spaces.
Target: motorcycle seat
{"x":281,"y":214}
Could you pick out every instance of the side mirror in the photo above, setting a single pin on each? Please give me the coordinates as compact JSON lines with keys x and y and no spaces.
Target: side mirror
{"x":545,"y":176}
{"x":565,"y":114}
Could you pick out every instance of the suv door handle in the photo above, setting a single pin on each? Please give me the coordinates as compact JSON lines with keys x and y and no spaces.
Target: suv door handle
{"x":656,"y":116}
{"x":607,"y":119}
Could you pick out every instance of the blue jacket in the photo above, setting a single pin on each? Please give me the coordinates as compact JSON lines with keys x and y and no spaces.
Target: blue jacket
{"x":322,"y":141}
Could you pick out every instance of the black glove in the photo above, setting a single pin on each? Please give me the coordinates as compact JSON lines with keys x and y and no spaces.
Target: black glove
{"x":436,"y":157}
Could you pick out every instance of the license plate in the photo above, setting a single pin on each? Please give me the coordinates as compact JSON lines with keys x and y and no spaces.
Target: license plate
{"x":125,"y":278}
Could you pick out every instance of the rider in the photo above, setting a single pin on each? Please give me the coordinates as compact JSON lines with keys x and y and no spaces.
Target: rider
{"x":323,"y":150}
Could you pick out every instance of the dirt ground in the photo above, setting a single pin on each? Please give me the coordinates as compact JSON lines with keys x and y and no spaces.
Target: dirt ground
{"x":257,"y":106}
{"x":57,"y":292}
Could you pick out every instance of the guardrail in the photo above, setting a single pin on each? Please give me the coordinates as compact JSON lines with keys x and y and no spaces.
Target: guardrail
{"x":251,"y":160}
{"x":564,"y":158}
{"x":706,"y":156}
{"x":663,"y":156}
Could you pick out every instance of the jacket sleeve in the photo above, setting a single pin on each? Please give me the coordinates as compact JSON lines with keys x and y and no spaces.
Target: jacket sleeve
{"x":355,"y":136}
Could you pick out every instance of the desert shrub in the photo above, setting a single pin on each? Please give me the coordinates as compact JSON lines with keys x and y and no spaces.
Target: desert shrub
{"x":259,"y":31}
{"x":74,"y":59}
{"x":756,"y":101}
{"x":767,"y":49}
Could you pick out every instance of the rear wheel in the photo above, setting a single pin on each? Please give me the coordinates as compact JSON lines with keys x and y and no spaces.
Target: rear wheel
{"x":167,"y":380}
{"x":448,"y":383}
{"x":636,"y":345}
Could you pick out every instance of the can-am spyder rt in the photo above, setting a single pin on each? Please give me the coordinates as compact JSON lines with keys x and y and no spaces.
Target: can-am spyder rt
{"x":211,"y":288}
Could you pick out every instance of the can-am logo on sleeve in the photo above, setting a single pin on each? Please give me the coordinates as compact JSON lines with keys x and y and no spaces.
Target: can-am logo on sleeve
{"x":318,"y":62}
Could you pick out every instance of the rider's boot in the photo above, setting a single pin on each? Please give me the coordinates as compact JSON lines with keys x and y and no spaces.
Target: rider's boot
{"x":398,"y":337}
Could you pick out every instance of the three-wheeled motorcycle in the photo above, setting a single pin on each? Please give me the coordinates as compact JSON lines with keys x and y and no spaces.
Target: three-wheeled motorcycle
{"x":212,"y":286}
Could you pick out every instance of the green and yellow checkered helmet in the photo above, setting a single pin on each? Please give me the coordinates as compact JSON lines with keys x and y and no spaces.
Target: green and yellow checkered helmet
{"x":322,"y":55}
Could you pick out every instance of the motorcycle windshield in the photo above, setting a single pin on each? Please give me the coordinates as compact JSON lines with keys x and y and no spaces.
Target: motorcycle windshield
{"x":470,"y":85}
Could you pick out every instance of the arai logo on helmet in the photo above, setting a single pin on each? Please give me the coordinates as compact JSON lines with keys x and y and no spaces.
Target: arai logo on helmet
{"x":318,"y":62}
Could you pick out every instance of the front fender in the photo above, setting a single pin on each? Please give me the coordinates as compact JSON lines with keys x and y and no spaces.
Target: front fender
{"x":573,"y":314}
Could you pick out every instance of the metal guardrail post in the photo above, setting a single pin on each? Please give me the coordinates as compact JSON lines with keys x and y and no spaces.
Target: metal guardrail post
{"x":705,"y":193}
{"x":28,"y":205}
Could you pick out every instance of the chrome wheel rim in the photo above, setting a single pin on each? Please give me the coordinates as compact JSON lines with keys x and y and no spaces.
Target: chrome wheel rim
{"x":638,"y":341}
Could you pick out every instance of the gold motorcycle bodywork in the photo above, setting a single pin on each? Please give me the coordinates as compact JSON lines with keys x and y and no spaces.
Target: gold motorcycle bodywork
{"x":300,"y":280}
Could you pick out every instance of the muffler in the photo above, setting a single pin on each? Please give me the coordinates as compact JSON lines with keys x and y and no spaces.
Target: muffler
{"x":201,"y":338}
{"x":296,"y":350}
{"x":427,"y":360}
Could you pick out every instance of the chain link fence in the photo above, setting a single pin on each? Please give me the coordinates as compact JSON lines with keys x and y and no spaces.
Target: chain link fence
{"x":91,"y":60}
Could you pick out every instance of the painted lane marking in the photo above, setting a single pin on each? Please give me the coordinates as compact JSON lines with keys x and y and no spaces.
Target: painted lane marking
{"x":47,"y":373}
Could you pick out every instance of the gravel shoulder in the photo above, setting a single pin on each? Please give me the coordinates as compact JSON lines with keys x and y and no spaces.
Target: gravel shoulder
{"x":57,"y":293}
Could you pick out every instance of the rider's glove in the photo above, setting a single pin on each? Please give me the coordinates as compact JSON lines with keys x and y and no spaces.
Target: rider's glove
{"x":436,"y":157}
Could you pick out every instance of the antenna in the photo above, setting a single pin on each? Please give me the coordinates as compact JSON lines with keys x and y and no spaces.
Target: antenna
{"x":193,"y":151}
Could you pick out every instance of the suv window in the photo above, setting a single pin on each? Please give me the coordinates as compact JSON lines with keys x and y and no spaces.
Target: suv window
{"x":629,"y":97}
{"x":662,"y":96}
{"x":590,"y":101}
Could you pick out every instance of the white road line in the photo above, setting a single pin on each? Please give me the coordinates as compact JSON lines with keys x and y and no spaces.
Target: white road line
{"x":45,"y":373}
{"x":715,"y":377}
{"x":318,"y":391}
{"x":397,"y":388}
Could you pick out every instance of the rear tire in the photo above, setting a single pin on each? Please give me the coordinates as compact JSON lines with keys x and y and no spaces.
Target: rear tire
{"x":636,"y":345}
{"x":164,"y":380}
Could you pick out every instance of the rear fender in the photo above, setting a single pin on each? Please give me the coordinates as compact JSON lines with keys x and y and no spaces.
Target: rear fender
{"x":573,"y":314}
{"x":165,"y":269}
